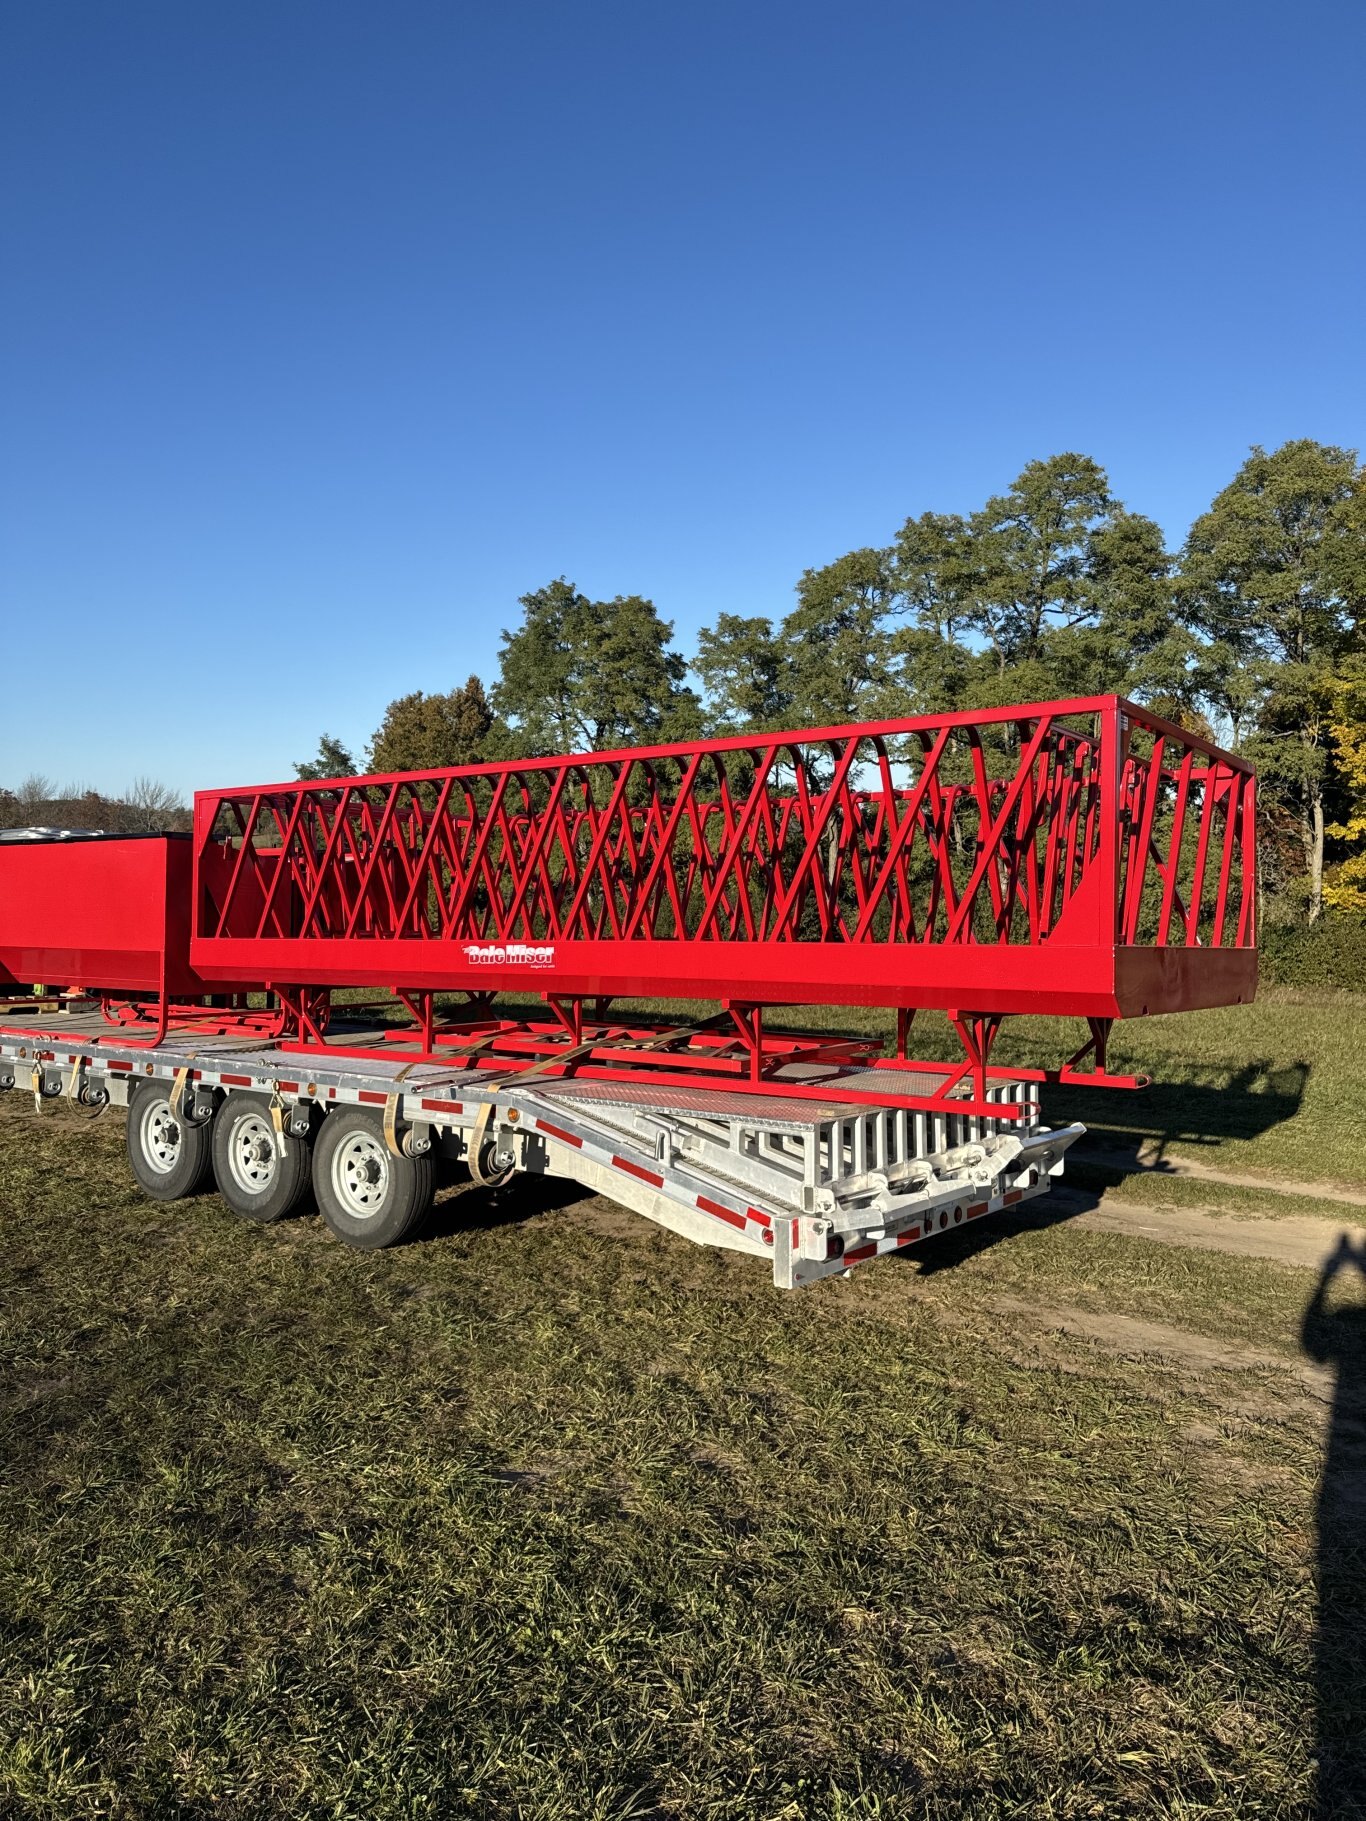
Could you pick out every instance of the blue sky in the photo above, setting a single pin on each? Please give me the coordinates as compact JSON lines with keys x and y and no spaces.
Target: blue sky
{"x":329,"y":330}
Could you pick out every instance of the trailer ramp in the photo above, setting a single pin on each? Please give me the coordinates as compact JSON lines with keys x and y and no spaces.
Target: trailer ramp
{"x":815,"y":1189}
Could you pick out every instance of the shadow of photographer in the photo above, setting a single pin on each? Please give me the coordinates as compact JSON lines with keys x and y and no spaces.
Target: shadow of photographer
{"x":1333,"y":1332}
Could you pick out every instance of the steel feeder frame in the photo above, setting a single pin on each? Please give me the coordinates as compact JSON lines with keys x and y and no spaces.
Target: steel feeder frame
{"x":1080,"y":858}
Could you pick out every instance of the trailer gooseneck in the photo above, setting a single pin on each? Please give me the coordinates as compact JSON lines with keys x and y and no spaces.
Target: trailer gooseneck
{"x":1081,"y":858}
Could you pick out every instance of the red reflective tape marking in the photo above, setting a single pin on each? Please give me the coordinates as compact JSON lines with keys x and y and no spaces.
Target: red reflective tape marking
{"x":369,"y":1098}
{"x":289,"y":1087}
{"x":759,"y":1215}
{"x":1014,"y":1195}
{"x":904,"y":1239}
{"x":235,"y":1081}
{"x":857,"y":1256}
{"x":442,"y":1106}
{"x":122,"y":1068}
{"x":634,"y":1169}
{"x":727,"y":1214}
{"x":978,"y":1207}
{"x":544,"y":1125}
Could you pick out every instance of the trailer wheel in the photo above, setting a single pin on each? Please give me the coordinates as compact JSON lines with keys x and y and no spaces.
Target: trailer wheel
{"x":368,"y":1196}
{"x":170,"y":1156}
{"x":252,"y":1177}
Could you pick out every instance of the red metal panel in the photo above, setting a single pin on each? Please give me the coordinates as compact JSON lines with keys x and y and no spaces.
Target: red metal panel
{"x":1079,"y":857}
{"x":110,"y":914}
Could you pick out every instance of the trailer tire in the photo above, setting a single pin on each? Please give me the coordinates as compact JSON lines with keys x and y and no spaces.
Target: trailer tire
{"x":170,"y":1158}
{"x":252,"y":1177}
{"x":367,"y":1196}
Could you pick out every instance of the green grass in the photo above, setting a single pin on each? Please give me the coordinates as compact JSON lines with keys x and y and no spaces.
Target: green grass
{"x":1272,"y":1087}
{"x":552,"y":1515}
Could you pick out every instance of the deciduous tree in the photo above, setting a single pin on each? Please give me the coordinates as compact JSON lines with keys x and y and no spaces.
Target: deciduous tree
{"x":1347,"y":727}
{"x":746,"y":673}
{"x":582,"y":675}
{"x":836,"y":638}
{"x":934,"y":573}
{"x":430,"y":732}
{"x":1266,"y":574}
{"x":1033,"y":555}
{"x":151,"y":807}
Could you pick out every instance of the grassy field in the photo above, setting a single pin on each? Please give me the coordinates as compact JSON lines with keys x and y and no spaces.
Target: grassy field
{"x":553,"y":1515}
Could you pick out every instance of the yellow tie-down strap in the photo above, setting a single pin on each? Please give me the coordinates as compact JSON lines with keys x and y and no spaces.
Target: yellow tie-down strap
{"x":396,"y":1145}
{"x":71,"y":1094}
{"x":178,"y":1087}
{"x":474,"y":1157}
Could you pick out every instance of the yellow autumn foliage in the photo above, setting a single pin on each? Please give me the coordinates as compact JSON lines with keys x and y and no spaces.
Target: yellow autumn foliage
{"x":1348,"y":890}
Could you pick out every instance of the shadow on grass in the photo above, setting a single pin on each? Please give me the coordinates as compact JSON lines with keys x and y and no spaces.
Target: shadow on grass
{"x":945,"y":1251}
{"x":480,"y":1210}
{"x":1336,"y":1337}
{"x":1236,"y":1104}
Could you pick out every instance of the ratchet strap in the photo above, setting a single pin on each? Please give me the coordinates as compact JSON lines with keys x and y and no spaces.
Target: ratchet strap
{"x":277,"y":1119}
{"x":676,"y":1033}
{"x":393,"y":1143}
{"x":178,"y":1087}
{"x":72,"y":1094}
{"x":488,"y":1179}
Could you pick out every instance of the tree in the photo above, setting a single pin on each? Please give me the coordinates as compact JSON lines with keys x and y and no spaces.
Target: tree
{"x":581,"y":675}
{"x":432,"y":732}
{"x":36,"y":789}
{"x":152,"y":807}
{"x":1267,"y":575}
{"x":1033,"y":550}
{"x":333,"y":761}
{"x":1139,"y":646}
{"x":746,"y":673}
{"x":933,"y":569}
{"x":1348,"y":729}
{"x":1052,"y":588}
{"x":836,"y":638}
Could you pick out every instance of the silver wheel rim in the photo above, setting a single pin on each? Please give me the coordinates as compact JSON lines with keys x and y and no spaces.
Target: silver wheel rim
{"x":252,"y":1160}
{"x":360,"y":1176}
{"x":159,"y":1137}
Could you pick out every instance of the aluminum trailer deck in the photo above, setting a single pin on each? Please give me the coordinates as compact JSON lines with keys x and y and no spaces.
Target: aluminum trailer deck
{"x":813,"y":1185}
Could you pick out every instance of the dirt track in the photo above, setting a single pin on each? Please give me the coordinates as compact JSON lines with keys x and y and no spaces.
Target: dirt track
{"x":1133,"y":1337}
{"x":1149,"y":1159}
{"x":1288,"y":1239}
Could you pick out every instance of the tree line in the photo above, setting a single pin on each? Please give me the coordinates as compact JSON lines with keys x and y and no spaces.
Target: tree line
{"x":1253,"y":631}
{"x":146,"y":807}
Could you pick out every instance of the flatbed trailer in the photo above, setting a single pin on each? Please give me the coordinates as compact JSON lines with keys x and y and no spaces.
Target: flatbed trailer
{"x":814,"y":1186}
{"x":1082,"y":859}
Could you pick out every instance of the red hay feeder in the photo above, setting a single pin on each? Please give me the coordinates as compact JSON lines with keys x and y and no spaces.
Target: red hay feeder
{"x":1083,"y":858}
{"x":1079,"y":857}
